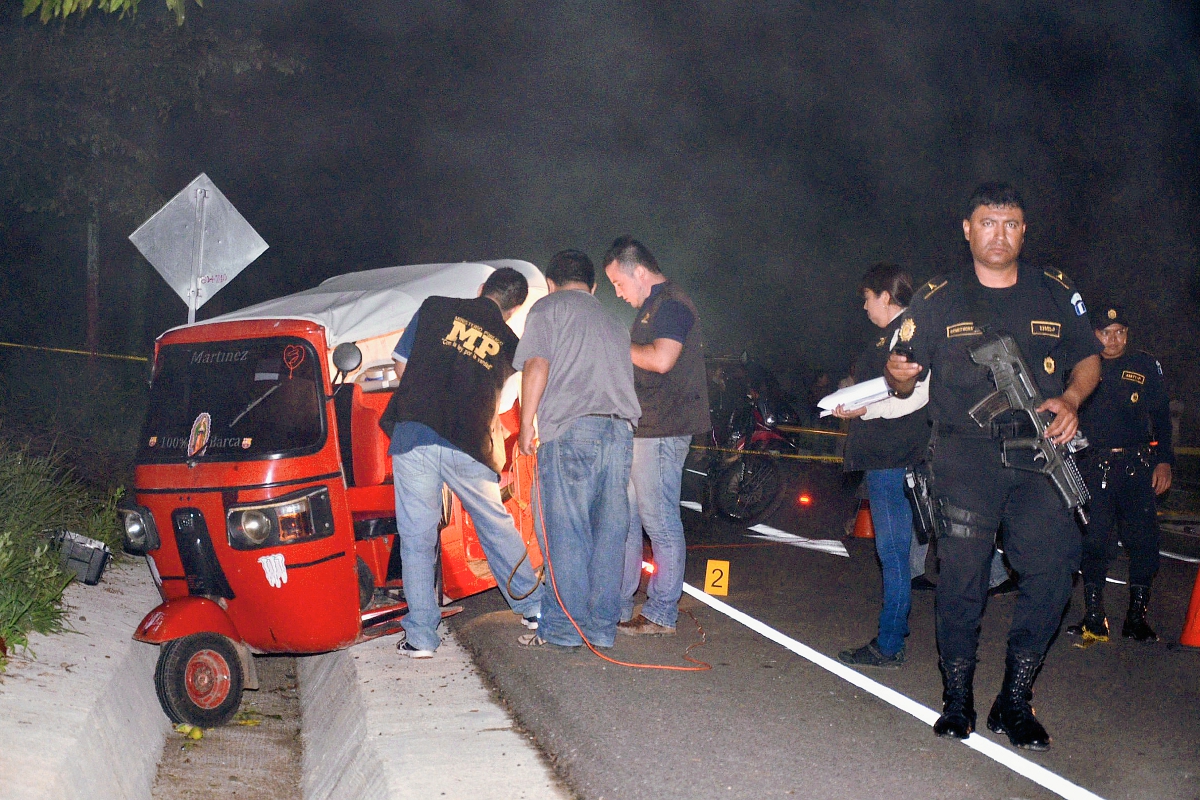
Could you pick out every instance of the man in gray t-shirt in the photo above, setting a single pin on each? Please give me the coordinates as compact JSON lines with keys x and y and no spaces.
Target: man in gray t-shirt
{"x":578,"y":381}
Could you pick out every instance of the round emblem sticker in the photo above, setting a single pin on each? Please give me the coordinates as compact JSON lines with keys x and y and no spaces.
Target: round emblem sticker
{"x":907,"y":329}
{"x":1048,"y":365}
{"x":201,"y":429}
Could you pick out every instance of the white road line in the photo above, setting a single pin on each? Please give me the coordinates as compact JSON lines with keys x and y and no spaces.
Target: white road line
{"x":696,"y":472}
{"x":1114,"y":580}
{"x":1179,"y":557}
{"x":831,"y":546}
{"x":998,"y":753}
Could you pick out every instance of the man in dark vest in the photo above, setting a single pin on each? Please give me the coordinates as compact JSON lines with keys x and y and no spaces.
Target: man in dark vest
{"x":453,"y":361}
{"x":668,"y":366}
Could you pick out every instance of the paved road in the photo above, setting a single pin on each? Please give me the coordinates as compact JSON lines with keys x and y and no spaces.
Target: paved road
{"x":765,"y":722}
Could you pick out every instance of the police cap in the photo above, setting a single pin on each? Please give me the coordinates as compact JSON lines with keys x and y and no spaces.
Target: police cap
{"x":1107,"y":315}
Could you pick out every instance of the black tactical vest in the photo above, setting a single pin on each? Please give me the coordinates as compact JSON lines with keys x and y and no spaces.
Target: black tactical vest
{"x":674,"y":403}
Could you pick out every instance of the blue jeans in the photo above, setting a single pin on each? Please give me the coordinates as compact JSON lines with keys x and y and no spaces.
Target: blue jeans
{"x":654,"y":485}
{"x":892,"y":518}
{"x":582,"y":492}
{"x":419,"y":475}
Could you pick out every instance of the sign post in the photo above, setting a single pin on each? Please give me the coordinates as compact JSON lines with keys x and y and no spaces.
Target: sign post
{"x":198,"y":242}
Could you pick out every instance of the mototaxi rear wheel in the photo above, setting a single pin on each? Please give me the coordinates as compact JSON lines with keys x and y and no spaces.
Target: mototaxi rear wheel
{"x":199,"y":679}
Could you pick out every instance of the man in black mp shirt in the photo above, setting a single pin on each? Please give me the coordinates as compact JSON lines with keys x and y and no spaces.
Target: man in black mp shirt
{"x":453,"y":360}
{"x":975,"y":493}
{"x":1124,"y":469}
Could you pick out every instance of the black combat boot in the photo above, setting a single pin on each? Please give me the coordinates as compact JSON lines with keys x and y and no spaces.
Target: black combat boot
{"x":1094,"y":624}
{"x":958,"y":699}
{"x":1135,"y":626}
{"x":1011,"y":713}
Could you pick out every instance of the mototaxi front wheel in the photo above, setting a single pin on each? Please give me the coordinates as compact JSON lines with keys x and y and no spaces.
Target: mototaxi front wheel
{"x":199,"y":679}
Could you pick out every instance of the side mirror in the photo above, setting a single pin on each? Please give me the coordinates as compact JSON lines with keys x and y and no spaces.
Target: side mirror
{"x":347,"y":357}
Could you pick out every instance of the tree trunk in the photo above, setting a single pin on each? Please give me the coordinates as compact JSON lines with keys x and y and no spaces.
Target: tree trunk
{"x":93,"y":282}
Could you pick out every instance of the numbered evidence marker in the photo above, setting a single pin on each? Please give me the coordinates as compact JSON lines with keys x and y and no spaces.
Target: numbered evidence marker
{"x":716,"y":577}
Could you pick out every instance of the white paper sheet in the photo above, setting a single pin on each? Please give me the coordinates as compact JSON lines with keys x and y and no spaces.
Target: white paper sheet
{"x":856,"y":396}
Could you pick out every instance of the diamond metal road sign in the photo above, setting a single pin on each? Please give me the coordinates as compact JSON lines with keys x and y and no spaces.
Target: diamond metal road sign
{"x":198,"y":242}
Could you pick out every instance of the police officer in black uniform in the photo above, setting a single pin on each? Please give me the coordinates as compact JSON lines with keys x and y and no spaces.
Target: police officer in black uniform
{"x":975,"y":493}
{"x":1128,"y":424}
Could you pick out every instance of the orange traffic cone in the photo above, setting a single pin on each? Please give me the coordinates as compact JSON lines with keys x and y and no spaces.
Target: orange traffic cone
{"x":1191,"y":626}
{"x":864,"y":528}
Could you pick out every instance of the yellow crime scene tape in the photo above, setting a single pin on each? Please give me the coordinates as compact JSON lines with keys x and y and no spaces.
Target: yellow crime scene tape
{"x":73,"y":352}
{"x":1186,"y":451}
{"x":827,"y":459}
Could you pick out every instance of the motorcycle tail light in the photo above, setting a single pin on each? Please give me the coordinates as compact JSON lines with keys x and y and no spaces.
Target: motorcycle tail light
{"x":301,"y":517}
{"x":805,"y":499}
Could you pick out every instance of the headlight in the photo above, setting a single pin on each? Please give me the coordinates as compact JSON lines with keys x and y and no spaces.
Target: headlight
{"x":300,"y":517}
{"x":256,"y":526}
{"x":139,"y":534}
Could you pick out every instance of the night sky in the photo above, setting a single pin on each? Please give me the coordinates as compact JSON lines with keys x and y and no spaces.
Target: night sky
{"x":768,"y":153}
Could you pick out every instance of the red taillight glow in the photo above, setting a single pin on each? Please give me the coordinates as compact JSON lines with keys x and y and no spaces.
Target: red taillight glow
{"x":647,"y":568}
{"x":804,"y":499}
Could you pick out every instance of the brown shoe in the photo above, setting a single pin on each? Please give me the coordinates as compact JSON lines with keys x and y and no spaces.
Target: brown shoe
{"x":640,"y":626}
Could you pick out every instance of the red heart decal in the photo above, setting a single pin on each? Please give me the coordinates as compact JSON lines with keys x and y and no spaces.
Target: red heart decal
{"x":293,"y":356}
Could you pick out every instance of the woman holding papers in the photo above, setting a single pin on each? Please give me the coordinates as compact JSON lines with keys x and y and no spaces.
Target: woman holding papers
{"x":883,"y":447}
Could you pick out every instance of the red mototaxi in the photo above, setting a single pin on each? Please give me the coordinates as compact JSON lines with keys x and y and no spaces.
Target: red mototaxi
{"x":263,"y":495}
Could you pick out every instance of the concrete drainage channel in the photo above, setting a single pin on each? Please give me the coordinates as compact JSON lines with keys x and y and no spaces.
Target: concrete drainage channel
{"x":258,"y":754}
{"x":81,"y":720}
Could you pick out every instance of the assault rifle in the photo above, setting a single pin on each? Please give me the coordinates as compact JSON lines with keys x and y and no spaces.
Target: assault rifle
{"x":1017,"y":391}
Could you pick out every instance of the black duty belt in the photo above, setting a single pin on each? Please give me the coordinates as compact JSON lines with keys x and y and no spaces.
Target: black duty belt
{"x":997,"y":430}
{"x":1141,"y":450}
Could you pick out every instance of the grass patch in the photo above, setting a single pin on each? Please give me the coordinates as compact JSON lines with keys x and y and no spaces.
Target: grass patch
{"x":39,"y":493}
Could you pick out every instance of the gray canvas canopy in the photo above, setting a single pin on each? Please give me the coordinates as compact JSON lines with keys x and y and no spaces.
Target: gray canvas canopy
{"x":373,"y":307}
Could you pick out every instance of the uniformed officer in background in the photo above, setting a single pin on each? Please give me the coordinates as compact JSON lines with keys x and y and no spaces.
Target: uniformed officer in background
{"x":1128,"y":461}
{"x":975,"y":493}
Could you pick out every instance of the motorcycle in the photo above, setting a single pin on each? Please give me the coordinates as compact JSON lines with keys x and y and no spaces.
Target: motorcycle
{"x":745,"y":483}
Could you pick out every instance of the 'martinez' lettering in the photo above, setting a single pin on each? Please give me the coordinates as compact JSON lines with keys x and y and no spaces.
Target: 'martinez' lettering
{"x":218,"y":357}
{"x":471,"y":340}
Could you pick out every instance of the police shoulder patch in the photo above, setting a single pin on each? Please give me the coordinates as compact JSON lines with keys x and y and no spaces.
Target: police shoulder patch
{"x":933,"y":287}
{"x":1057,"y":276}
{"x":1148,"y":356}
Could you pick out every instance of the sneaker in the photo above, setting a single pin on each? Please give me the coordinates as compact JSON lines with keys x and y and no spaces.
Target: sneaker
{"x":532,"y":640}
{"x":531,"y":622}
{"x":640,"y":626}
{"x":407,"y":649}
{"x":869,"y":655}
